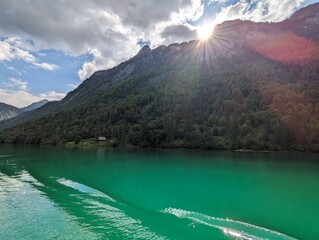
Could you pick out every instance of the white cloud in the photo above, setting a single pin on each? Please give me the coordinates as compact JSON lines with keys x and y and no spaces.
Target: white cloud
{"x":52,"y":96}
{"x":24,"y":55}
{"x":87,"y":69}
{"x":22,"y":98}
{"x":72,"y":86}
{"x":110,"y":27}
{"x":216,"y":1}
{"x":8,"y":67}
{"x":5,"y":52}
{"x":18,"y":98}
{"x":22,"y":85}
{"x":259,"y":11}
{"x":10,"y":49}
{"x":46,"y":66}
{"x":90,"y":67}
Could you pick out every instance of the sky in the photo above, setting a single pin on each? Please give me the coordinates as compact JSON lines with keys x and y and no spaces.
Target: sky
{"x":48,"y":48}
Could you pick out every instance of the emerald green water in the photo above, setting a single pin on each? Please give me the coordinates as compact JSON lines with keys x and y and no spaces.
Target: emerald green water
{"x":52,"y":193}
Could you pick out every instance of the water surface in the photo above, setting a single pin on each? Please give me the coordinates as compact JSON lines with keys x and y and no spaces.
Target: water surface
{"x":53,"y":193}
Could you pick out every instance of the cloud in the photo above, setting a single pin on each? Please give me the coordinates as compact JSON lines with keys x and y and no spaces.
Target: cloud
{"x":79,"y":27}
{"x":10,"y":49}
{"x":109,"y":30}
{"x":8,"y":67}
{"x":72,"y":86}
{"x":21,"y":97}
{"x":179,"y":33}
{"x":5,"y":52}
{"x":216,"y":2}
{"x":90,"y":67}
{"x":52,"y":96}
{"x":46,"y":66}
{"x":22,"y":85}
{"x":18,"y":98}
{"x":259,"y":11}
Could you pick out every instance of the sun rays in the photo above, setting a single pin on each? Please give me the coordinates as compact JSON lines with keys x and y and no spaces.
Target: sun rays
{"x":213,"y":41}
{"x":205,"y":31}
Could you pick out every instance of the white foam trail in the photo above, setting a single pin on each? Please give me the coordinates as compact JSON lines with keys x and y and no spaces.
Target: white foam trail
{"x":27,"y":213}
{"x":83,"y":188}
{"x":18,"y":181}
{"x":26,"y":177}
{"x":231,"y":228}
{"x":130,"y":227}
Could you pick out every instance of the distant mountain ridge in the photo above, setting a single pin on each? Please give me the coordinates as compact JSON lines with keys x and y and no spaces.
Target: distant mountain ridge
{"x":35,"y":105}
{"x":251,"y":86}
{"x":8,"y":112}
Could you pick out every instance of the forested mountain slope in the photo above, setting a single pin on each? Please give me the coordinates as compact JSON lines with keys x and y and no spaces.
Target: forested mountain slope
{"x":251,"y":86}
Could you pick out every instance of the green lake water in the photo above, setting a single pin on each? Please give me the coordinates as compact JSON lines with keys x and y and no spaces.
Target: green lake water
{"x":54,"y":193}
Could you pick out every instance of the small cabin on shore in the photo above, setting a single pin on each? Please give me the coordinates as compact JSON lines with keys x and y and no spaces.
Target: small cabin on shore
{"x":101,"y":138}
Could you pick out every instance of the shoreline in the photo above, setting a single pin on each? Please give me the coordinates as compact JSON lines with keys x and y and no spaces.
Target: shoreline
{"x":88,"y":144}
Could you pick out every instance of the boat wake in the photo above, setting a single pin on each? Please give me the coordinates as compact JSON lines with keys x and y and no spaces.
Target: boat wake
{"x":83,"y":188}
{"x":231,"y":228}
{"x":109,"y":214}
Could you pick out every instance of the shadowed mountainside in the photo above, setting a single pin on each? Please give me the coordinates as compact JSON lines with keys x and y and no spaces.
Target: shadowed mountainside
{"x":251,"y":86}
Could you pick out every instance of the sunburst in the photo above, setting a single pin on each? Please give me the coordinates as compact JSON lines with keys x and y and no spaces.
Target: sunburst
{"x":205,"y":31}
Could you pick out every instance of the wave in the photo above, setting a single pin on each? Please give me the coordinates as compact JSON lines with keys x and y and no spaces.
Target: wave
{"x":83,"y":188}
{"x":25,"y":176}
{"x":28,"y":213}
{"x":17,"y":181}
{"x":231,"y":228}
{"x":110,"y":214}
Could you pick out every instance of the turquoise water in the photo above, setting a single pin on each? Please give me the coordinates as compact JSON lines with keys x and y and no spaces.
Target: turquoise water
{"x":52,"y":193}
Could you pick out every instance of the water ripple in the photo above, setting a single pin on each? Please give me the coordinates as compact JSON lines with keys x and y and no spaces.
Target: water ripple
{"x":109,"y":214}
{"x":232,"y":228}
{"x":83,"y":188}
{"x":27,"y":213}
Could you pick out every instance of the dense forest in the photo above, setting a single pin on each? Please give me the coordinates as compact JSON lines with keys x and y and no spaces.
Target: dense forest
{"x":220,"y":94}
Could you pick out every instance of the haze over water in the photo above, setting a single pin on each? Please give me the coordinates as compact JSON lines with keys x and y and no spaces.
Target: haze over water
{"x":52,"y":193}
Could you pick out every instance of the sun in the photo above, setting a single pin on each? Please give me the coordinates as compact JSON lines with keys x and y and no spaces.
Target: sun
{"x":204,"y":32}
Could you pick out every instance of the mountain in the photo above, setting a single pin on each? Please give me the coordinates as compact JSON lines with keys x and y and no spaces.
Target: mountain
{"x":34,"y":105}
{"x":14,"y":114}
{"x":251,"y":86}
{"x":8,"y":111}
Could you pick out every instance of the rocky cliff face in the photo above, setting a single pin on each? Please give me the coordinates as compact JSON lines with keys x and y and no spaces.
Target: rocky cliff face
{"x":7,"y":112}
